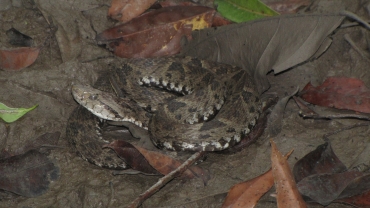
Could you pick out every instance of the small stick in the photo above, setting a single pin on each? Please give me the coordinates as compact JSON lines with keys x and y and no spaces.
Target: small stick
{"x":351,"y":24}
{"x":343,"y":129}
{"x":307,"y":112}
{"x":164,"y":180}
{"x":337,"y":116}
{"x":354,"y":46}
{"x":112,"y":193}
{"x":355,"y":17}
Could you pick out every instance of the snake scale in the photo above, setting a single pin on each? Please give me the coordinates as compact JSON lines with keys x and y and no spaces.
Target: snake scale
{"x":187,"y":104}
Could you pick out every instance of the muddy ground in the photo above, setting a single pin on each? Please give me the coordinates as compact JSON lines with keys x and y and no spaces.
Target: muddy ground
{"x":72,"y":56}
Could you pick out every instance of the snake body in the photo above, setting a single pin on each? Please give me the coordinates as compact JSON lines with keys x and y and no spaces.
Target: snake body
{"x":185,"y":103}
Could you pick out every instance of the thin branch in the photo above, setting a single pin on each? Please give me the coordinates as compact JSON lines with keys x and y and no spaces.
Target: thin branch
{"x":112,"y":194}
{"x":355,"y":17}
{"x":336,"y":116}
{"x":325,"y":136}
{"x":164,"y":180}
{"x":354,"y":46}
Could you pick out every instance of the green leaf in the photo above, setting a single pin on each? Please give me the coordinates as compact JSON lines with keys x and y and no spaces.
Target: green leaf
{"x":12,"y":114}
{"x":243,"y":10}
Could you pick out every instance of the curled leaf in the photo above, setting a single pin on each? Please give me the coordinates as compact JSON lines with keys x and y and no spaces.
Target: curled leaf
{"x":12,"y":114}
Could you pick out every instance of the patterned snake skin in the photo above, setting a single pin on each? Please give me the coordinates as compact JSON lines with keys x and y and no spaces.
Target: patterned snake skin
{"x":187,"y":104}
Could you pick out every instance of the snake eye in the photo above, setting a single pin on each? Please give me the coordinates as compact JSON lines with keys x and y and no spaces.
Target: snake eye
{"x":93,"y":96}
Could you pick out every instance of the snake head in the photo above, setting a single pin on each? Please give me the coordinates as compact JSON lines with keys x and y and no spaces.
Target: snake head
{"x":108,"y":106}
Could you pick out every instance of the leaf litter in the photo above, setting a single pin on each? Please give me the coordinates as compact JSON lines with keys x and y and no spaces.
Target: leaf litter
{"x":156,"y":33}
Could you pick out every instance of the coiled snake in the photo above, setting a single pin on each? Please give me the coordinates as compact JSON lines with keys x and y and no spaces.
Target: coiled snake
{"x":185,"y":103}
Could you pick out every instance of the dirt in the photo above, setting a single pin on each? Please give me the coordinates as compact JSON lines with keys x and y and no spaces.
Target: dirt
{"x":72,"y":56}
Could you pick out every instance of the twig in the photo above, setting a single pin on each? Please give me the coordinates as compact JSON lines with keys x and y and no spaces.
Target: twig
{"x":337,"y":116}
{"x":307,"y":112}
{"x":131,"y":172}
{"x":325,"y":136}
{"x":164,"y":180}
{"x":355,"y":17}
{"x":351,"y":24}
{"x":112,"y":194}
{"x":354,"y":46}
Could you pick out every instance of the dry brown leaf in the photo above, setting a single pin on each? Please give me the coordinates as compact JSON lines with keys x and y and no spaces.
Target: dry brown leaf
{"x":128,"y":153}
{"x":19,"y":58}
{"x":339,"y":92}
{"x":286,"y":188}
{"x":156,"y":33}
{"x":247,"y":193}
{"x":125,"y":10}
{"x":361,"y":200}
{"x":163,"y":163}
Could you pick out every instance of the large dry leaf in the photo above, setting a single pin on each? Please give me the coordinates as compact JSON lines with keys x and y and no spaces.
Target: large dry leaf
{"x":156,"y":33}
{"x":339,"y":92}
{"x":276,"y":43}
